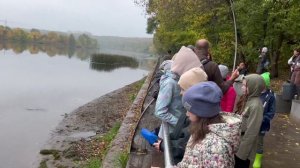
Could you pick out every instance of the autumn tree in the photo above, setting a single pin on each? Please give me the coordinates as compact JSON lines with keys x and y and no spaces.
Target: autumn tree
{"x":260,"y":23}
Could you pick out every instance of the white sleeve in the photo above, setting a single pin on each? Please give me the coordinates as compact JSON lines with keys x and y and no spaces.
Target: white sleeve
{"x":290,"y":61}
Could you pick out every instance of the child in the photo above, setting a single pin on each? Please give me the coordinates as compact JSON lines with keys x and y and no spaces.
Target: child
{"x":228,"y":100}
{"x":180,"y":136}
{"x":168,"y":105}
{"x":251,"y":109}
{"x":268,"y":99}
{"x":214,"y":136}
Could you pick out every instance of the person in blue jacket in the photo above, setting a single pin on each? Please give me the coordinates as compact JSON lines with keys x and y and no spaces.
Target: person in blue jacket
{"x":269,"y":103}
{"x":169,"y":106}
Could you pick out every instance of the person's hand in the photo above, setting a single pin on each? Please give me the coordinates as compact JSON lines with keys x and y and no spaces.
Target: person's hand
{"x":235,"y":74}
{"x":156,"y":145}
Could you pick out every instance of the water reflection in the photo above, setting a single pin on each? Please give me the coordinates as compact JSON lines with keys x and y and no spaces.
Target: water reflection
{"x":106,"y":62}
{"x":50,"y":50}
{"x":103,"y":61}
{"x":37,"y":90}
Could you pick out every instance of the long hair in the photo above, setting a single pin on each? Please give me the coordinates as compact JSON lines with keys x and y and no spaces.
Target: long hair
{"x":240,"y":105}
{"x":242,"y":102}
{"x":199,"y":128}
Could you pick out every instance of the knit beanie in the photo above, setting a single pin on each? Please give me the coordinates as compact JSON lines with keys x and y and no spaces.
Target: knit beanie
{"x":224,"y":71}
{"x":184,"y":60}
{"x":266,"y":77}
{"x":203,"y":99}
{"x":191,"y":77}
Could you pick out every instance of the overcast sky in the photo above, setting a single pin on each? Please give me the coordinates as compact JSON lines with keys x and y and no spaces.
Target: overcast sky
{"x":99,"y":17}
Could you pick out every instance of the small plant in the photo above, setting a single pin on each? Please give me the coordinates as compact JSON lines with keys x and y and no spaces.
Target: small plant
{"x":122,"y":159}
{"x":132,"y":97}
{"x":53,"y":152}
{"x":43,"y":164}
{"x":91,"y":154}
{"x":93,"y":163}
{"x":108,"y":137}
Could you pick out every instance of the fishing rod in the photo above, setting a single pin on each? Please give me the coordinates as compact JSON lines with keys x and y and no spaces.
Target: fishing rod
{"x":235,"y":32}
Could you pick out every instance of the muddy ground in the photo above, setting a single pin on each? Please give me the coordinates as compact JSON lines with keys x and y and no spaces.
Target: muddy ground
{"x":86,"y":123}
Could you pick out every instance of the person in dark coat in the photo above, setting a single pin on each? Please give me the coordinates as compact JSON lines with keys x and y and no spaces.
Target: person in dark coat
{"x":292,"y":60}
{"x":211,"y":68}
{"x":242,"y":69}
{"x":295,"y":80}
{"x":263,"y":61}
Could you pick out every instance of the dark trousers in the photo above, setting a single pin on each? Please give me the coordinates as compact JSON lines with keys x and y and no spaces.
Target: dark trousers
{"x":239,"y":163}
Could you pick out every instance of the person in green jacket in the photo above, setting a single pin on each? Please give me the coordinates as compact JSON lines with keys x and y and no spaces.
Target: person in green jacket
{"x":251,"y":109}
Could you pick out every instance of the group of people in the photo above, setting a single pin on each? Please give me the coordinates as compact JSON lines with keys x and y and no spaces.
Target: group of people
{"x":293,"y":62}
{"x":210,"y":123}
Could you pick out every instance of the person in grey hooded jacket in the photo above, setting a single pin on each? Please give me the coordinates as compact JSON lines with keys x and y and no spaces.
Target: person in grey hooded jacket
{"x":251,"y":109}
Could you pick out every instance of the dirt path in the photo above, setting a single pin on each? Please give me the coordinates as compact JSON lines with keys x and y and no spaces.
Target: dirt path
{"x":88,"y":121}
{"x":282,"y":143}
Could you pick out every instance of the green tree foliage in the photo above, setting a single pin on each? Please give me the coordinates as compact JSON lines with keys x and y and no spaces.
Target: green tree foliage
{"x":270,"y":23}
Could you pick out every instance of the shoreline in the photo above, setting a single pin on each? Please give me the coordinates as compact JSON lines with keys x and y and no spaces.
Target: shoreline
{"x":89,"y":121}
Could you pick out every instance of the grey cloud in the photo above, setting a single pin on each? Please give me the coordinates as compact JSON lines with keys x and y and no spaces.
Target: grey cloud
{"x":100,"y":17}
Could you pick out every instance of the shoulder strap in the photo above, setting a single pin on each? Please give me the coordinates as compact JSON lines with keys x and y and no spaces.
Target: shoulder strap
{"x":204,"y":61}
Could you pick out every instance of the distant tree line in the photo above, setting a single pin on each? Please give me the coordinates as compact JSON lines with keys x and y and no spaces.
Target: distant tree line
{"x":34,"y":36}
{"x":270,"y":23}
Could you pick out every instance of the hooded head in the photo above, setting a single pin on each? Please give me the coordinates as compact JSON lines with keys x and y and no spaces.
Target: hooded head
{"x":254,"y":84}
{"x":185,"y":60}
{"x":166,"y":65}
{"x":203,"y":99}
{"x":224,"y":71}
{"x":266,"y":77}
{"x":191,"y":77}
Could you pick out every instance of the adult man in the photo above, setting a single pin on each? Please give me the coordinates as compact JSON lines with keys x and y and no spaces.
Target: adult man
{"x":211,"y":68}
{"x":263,"y":61}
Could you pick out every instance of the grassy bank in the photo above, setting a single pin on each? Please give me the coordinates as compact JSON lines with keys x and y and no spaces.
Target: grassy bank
{"x":86,"y":154}
{"x":99,"y":147}
{"x":137,"y":86}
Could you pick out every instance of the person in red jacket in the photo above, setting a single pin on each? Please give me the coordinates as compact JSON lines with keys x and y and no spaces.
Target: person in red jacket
{"x":227,"y":102}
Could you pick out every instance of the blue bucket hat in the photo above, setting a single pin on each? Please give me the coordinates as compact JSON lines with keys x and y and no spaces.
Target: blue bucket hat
{"x":203,"y":99}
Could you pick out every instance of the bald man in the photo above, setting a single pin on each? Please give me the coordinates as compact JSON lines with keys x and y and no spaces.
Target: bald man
{"x":211,"y":68}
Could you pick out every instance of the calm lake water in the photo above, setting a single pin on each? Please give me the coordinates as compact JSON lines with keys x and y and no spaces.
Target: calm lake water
{"x":36,"y":90}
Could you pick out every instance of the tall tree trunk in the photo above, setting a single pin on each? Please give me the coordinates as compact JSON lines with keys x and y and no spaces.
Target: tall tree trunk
{"x":276,"y":55}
